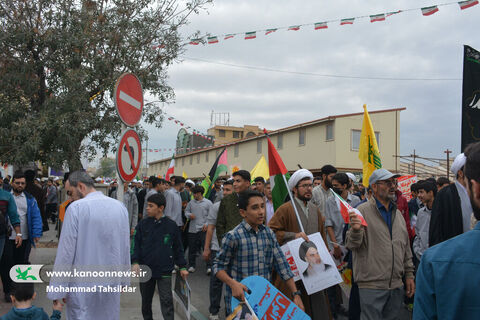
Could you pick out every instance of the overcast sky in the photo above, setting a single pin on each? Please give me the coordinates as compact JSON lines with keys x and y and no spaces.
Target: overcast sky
{"x":406,"y":45}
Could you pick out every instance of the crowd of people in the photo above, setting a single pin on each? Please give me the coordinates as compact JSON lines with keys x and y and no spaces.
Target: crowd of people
{"x":417,"y":254}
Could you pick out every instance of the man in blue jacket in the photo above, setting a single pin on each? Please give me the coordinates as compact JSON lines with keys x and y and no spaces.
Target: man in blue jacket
{"x":30,"y":231}
{"x":8,"y":211}
{"x":448,"y":277}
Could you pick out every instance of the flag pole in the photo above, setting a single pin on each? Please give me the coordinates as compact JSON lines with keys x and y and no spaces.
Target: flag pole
{"x":292,"y":199}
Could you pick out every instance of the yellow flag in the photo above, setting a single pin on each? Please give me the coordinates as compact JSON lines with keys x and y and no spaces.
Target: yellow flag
{"x":184,"y":175}
{"x":368,"y":151}
{"x":260,"y":169}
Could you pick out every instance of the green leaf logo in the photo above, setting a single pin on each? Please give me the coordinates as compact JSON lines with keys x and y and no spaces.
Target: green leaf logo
{"x":23,"y":275}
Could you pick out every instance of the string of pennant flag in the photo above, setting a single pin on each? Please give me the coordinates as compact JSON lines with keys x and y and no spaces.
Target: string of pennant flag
{"x":426,"y":11}
{"x":195,"y":132}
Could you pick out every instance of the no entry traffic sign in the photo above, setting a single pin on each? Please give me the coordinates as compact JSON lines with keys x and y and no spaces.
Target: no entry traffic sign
{"x":128,"y":98}
{"x":129,"y":155}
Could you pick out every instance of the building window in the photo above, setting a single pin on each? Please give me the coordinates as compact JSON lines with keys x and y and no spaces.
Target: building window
{"x":259,"y":146}
{"x":280,"y":141}
{"x":356,"y":139}
{"x":236,"y":134}
{"x":198,"y":158}
{"x":191,"y":160}
{"x":301,"y":136}
{"x":206,"y":156}
{"x":235,"y":151}
{"x":329,"y":133}
{"x":183,"y":161}
{"x":221,"y":133}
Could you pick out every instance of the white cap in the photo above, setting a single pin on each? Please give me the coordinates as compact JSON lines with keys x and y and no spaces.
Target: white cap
{"x":297,"y":176}
{"x":352,"y":177}
{"x":458,"y":163}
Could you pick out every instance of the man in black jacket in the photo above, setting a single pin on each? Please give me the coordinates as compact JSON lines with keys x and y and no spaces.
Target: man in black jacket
{"x":452,"y":210}
{"x":158,"y":244}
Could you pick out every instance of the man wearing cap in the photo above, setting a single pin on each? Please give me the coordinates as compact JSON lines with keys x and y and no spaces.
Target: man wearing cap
{"x":321,"y":193}
{"x":452,"y":210}
{"x":381,"y":251}
{"x":286,"y":227}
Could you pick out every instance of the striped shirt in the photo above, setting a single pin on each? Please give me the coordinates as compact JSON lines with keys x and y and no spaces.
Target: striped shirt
{"x":245,"y":253}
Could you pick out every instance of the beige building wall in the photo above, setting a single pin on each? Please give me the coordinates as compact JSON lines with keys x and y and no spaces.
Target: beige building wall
{"x":316,"y":151}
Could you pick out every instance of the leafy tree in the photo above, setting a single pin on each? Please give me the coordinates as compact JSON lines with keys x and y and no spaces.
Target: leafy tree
{"x":107,"y":168}
{"x":59,"y":61}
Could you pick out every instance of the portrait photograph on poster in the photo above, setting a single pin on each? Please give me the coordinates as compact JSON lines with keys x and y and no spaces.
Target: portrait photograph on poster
{"x":315,"y":264}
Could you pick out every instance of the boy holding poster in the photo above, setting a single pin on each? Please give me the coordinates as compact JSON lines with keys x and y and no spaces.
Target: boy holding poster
{"x":251,"y":249}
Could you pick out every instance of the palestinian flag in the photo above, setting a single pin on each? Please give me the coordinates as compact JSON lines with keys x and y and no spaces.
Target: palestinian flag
{"x":219,"y":166}
{"x":195,"y":42}
{"x":344,"y":208}
{"x":293,"y":28}
{"x":347,"y":21}
{"x":270,"y":31}
{"x":171,"y":169}
{"x":228,"y":36}
{"x":250,"y":35}
{"x":321,"y":25}
{"x":377,"y":17}
{"x":212,"y":40}
{"x":467,"y":4}
{"x":277,"y":170}
{"x":428,"y":11}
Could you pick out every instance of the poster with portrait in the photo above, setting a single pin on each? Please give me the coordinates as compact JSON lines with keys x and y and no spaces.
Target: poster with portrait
{"x":181,"y":293}
{"x":286,"y":251}
{"x":317,"y":269}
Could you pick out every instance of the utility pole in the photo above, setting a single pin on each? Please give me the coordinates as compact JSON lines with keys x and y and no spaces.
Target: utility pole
{"x":448,"y":162}
{"x":414,"y":156}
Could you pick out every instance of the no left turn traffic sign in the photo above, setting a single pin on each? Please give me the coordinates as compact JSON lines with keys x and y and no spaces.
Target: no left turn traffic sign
{"x":129,"y":155}
{"x":128,"y":98}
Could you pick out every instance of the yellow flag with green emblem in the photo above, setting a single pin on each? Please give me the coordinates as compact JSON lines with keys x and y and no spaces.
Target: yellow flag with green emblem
{"x":368,"y":151}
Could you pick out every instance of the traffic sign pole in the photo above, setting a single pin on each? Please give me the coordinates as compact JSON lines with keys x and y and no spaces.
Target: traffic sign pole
{"x":120,"y":194}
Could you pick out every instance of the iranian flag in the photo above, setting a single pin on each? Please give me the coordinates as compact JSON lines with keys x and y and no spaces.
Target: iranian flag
{"x":270,"y":31}
{"x":212,"y":40}
{"x":467,"y":4}
{"x":428,"y":11}
{"x":347,"y":21}
{"x":220,"y":165}
{"x":393,"y":12}
{"x":250,"y":35}
{"x":278,"y":176}
{"x":171,"y":168}
{"x":195,"y":42}
{"x":228,"y":36}
{"x":345,"y":208}
{"x":377,"y":17}
{"x":293,"y":28}
{"x":321,"y":25}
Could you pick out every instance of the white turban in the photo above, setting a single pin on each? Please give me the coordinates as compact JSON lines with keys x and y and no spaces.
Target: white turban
{"x":458,"y":163}
{"x":190,"y":181}
{"x":297,"y":176}
{"x":352,"y":177}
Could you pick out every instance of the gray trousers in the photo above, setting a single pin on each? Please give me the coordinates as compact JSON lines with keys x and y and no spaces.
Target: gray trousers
{"x":380,"y":304}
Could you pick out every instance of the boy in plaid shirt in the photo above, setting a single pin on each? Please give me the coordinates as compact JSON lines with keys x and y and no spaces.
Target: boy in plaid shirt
{"x":251,"y":249}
